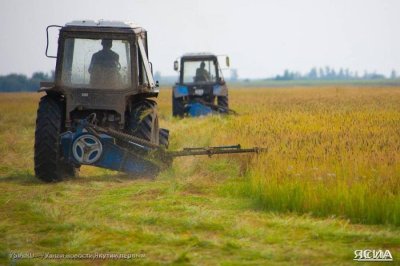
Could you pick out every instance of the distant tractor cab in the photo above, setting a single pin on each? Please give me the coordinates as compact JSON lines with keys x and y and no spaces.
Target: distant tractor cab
{"x":201,"y":88}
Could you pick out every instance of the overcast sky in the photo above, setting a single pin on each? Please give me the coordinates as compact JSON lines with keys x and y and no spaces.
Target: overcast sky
{"x":262,"y":37}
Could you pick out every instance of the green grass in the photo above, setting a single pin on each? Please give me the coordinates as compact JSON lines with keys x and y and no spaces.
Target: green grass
{"x":199,"y":212}
{"x":172,"y":220}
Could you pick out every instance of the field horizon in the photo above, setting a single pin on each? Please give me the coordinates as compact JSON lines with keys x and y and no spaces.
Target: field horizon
{"x":328,"y":185}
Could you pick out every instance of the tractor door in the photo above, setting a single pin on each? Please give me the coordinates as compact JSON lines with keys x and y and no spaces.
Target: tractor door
{"x":146,"y":80}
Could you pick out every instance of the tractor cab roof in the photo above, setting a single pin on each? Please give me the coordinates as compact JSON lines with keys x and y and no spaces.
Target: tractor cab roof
{"x":198,"y":56}
{"x":103,"y":25}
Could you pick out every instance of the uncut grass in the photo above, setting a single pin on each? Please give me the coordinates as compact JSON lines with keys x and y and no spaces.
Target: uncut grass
{"x":332,"y":152}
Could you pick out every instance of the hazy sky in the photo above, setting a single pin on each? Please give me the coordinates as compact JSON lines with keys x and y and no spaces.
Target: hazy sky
{"x":261,"y":37}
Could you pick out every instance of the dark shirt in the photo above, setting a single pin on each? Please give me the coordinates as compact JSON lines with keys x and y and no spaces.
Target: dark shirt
{"x":202,"y":75}
{"x":104,"y":68}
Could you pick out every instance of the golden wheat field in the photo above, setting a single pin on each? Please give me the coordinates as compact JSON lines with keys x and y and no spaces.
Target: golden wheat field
{"x":328,"y":183}
{"x":331,"y":151}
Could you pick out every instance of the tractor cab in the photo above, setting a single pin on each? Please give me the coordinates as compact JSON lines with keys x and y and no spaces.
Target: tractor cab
{"x":101,"y":65}
{"x":200,"y":84}
{"x":200,"y":70}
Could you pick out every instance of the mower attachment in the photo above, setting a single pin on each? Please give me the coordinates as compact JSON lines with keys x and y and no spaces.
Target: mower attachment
{"x":90,"y":144}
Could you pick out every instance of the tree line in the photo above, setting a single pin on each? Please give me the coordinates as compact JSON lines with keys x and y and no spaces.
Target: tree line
{"x":328,"y":73}
{"x":20,"y":82}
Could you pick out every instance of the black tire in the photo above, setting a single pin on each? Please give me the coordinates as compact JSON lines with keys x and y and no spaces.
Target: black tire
{"x":49,"y":166}
{"x":223,"y":103}
{"x":164,"y":135}
{"x":178,"y":107}
{"x":143,"y":121}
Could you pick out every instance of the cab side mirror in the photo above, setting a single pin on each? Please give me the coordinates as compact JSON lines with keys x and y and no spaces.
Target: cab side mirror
{"x":53,"y":39}
{"x":176,"y":65}
{"x":227,"y":61}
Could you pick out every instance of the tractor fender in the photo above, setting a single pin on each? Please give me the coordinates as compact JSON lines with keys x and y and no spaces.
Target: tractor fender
{"x":46,"y":86}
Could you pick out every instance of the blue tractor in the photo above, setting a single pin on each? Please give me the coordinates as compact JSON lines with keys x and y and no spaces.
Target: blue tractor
{"x":201,"y":88}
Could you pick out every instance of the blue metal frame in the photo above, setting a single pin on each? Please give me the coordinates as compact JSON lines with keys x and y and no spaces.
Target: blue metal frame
{"x":113,"y":156}
{"x":198,"y":109}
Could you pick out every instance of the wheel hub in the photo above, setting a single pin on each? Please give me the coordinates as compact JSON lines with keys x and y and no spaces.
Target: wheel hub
{"x":87,"y":149}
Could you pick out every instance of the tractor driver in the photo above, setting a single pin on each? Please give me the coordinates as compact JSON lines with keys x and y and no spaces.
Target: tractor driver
{"x":104,"y":67}
{"x":201,"y":73}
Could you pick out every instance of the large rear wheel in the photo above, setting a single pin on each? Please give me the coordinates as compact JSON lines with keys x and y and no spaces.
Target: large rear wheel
{"x":178,"y":107}
{"x":164,"y":137}
{"x":143,"y":121}
{"x":49,"y":165}
{"x":223,"y":104}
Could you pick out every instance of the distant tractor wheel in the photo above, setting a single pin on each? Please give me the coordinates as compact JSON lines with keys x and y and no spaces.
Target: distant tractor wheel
{"x":164,"y":135}
{"x":49,"y":166}
{"x":178,"y":108}
{"x":223,"y":103}
{"x":143,"y":121}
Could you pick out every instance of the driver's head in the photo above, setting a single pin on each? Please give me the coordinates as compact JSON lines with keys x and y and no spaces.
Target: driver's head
{"x":203,"y":65}
{"x":107,"y":43}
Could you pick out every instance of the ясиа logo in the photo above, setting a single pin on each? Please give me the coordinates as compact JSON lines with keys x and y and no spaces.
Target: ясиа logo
{"x":372,"y":255}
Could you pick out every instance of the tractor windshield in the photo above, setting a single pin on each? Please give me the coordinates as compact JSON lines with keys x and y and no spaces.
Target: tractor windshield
{"x":96,"y":63}
{"x":202,"y":71}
